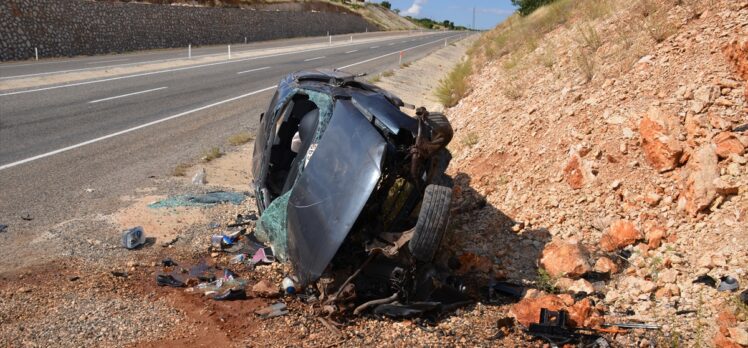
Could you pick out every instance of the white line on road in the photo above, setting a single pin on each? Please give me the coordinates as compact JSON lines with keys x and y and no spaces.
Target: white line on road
{"x":315,"y":58}
{"x":349,"y":52}
{"x":51,"y":153}
{"x":108,"y":61}
{"x":393,"y":53}
{"x":252,"y":70}
{"x":126,"y":95}
{"x":373,"y":47}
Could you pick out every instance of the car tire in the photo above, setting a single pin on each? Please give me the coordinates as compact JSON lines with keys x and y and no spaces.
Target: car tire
{"x":432,"y":222}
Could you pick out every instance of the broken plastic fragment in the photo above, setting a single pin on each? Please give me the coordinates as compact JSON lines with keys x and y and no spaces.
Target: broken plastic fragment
{"x":263,"y":255}
{"x":706,"y":280}
{"x":273,"y":310}
{"x":133,"y":238}
{"x":231,"y":294}
{"x":728,"y":283}
{"x":168,"y":262}
{"x":168,"y":280}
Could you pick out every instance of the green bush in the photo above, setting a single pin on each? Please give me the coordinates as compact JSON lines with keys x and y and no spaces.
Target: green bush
{"x":455,"y":86}
{"x":525,"y":7}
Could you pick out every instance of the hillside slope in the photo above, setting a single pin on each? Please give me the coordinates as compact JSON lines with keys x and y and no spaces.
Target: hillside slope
{"x":606,"y":136}
{"x":377,"y":15}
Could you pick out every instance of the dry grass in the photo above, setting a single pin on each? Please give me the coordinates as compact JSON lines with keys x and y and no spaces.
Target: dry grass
{"x":388,"y":73}
{"x":212,"y":154}
{"x":455,"y":86}
{"x":586,"y":63}
{"x":470,"y":140}
{"x":240,"y":138}
{"x":547,"y":56}
{"x":588,"y":37}
{"x":659,"y":26}
{"x":405,"y":65}
{"x":181,"y":169}
{"x":513,"y":89}
{"x":375,"y":78}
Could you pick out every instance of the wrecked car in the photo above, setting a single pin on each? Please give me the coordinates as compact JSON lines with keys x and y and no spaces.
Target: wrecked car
{"x":340,"y":171}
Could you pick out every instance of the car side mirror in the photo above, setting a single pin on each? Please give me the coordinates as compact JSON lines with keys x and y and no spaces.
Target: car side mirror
{"x":262,"y":115}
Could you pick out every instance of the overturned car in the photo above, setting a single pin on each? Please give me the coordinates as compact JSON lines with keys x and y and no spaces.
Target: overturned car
{"x":340,"y":173}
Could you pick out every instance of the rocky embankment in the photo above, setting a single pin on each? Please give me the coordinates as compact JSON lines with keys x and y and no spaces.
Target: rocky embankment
{"x":614,"y":164}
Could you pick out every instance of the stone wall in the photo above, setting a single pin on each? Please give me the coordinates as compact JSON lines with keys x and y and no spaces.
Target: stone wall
{"x":79,"y":27}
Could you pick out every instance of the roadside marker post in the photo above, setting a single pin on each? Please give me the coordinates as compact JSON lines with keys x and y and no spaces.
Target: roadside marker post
{"x":36,"y":53}
{"x":229,"y":51}
{"x":401,"y":58}
{"x":245,"y":40}
{"x":329,"y":37}
{"x":351,"y":38}
{"x":189,"y":51}
{"x":445,"y":42}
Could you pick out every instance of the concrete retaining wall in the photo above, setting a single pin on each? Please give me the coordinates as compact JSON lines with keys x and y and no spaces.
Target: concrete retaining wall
{"x":79,"y":27}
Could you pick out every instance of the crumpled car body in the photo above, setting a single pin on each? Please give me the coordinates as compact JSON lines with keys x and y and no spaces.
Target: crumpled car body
{"x":333,"y":156}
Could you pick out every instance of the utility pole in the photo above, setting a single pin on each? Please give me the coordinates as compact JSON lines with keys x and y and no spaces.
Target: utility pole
{"x":473,"y":17}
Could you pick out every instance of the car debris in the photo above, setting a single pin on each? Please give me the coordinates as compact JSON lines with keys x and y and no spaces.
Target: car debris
{"x":168,"y":262}
{"x":231,"y":295}
{"x":728,"y":283}
{"x":133,"y":238}
{"x":169,"y":280}
{"x":633,"y":326}
{"x":200,"y":200}
{"x":272,"y":311}
{"x":379,"y":209}
{"x":199,"y":178}
{"x":706,"y":280}
{"x":3,"y":228}
{"x":552,"y":328}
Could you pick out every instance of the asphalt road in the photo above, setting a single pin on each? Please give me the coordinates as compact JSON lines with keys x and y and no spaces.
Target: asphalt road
{"x":114,"y":135}
{"x":83,"y":63}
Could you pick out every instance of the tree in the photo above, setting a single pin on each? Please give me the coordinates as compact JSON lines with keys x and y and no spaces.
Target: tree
{"x":386,"y":4}
{"x":397,"y":10}
{"x":525,"y":7}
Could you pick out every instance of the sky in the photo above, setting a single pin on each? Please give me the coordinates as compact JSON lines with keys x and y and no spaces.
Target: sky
{"x":488,"y":13}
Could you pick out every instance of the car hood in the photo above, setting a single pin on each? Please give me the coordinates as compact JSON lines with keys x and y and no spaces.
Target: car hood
{"x":326,"y":200}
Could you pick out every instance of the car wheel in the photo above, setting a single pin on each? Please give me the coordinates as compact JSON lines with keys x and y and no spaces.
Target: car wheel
{"x":432,"y":222}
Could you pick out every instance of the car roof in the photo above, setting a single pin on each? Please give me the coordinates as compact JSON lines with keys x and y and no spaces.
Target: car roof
{"x":377,"y":102}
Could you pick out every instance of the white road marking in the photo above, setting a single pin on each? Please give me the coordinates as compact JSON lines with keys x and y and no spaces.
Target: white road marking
{"x":252,"y":70}
{"x":158,"y":72}
{"x":315,"y":58}
{"x":51,"y":153}
{"x":108,"y":61}
{"x":349,"y":52}
{"x":373,"y":47}
{"x":393,"y":53}
{"x":126,"y":95}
